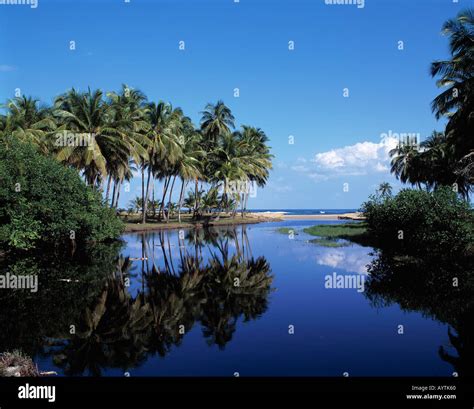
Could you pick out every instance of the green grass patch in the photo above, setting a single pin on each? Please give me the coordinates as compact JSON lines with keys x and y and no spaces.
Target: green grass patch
{"x":329,"y":233}
{"x":337,"y":231}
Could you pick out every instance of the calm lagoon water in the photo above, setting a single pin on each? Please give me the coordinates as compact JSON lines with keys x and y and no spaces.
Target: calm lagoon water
{"x":215,"y":302}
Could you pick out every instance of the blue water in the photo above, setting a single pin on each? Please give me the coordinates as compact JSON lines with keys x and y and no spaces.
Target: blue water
{"x":335,"y":330}
{"x":247,"y":331}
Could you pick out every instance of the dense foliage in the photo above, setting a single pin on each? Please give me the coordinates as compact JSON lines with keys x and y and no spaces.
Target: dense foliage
{"x":415,"y":222}
{"x":42,"y":201}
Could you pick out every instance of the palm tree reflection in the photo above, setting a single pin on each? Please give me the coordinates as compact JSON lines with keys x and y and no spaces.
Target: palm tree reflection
{"x":120,"y":330}
{"x":441,"y":289}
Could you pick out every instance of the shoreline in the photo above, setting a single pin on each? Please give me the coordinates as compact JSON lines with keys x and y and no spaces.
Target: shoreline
{"x":343,"y":216}
{"x":281,"y":216}
{"x":250,"y":218}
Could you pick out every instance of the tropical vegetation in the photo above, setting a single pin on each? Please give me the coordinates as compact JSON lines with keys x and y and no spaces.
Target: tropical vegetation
{"x":446,"y":158}
{"x":416,"y":220}
{"x":111,"y":137}
{"x":43,"y":202}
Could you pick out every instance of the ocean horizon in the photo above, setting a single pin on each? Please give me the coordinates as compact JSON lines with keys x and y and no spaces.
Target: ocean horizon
{"x":304,"y":211}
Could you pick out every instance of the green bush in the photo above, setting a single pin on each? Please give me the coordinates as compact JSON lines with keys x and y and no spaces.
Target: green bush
{"x":418,"y":222}
{"x":43,"y":202}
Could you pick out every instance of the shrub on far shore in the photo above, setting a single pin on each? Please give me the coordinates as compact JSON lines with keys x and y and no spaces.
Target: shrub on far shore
{"x":417,"y":222}
{"x":44,"y":203}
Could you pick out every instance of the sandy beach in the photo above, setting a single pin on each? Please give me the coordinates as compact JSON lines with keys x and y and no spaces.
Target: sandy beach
{"x":282,"y":216}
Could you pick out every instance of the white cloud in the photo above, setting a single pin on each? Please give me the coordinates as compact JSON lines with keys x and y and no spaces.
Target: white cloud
{"x":354,"y":160}
{"x":351,"y":259}
{"x":330,"y":160}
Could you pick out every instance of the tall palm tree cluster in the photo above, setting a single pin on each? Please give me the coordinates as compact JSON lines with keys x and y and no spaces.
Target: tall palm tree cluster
{"x":109,"y":137}
{"x":447,"y":158}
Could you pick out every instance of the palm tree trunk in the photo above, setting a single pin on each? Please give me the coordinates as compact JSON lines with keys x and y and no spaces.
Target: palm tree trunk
{"x":109,"y":181}
{"x":181,"y":194}
{"x":153,"y":196}
{"x":147,"y":195}
{"x":234,"y":210}
{"x":112,"y":201}
{"x":165,"y":189}
{"x":226,"y":202}
{"x":143,"y":190}
{"x":119,"y":185}
{"x":169,"y":199}
{"x":246,"y":201}
{"x":196,"y":201}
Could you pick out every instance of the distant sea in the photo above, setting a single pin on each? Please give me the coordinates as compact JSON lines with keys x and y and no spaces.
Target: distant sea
{"x":305,"y":211}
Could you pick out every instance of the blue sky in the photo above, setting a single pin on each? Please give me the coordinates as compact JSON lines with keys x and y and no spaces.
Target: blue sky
{"x":244,"y":45}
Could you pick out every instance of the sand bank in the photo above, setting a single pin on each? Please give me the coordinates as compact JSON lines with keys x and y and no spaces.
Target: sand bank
{"x":282,"y":216}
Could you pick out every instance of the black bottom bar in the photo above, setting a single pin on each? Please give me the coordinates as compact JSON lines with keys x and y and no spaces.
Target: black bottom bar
{"x":240,"y":393}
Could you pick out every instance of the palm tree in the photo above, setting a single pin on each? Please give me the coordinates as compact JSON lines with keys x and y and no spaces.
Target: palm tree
{"x":217,"y":121}
{"x":127,"y":109}
{"x":189,"y":167}
{"x":238,"y":160}
{"x":385,"y":189}
{"x":456,"y":102}
{"x":210,"y":200}
{"x":190,"y":202}
{"x":163,"y":149}
{"x":123,"y":132}
{"x":228,"y":165}
{"x":404,"y":163}
{"x":466,"y":168}
{"x":136,"y":204}
{"x":154,"y":205}
{"x":88,"y":114}
{"x":259,"y":158}
{"x":29,"y":122}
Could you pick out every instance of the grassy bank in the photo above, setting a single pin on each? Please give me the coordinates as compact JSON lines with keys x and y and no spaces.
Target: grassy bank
{"x":330,"y":234}
{"x":337,"y":231}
